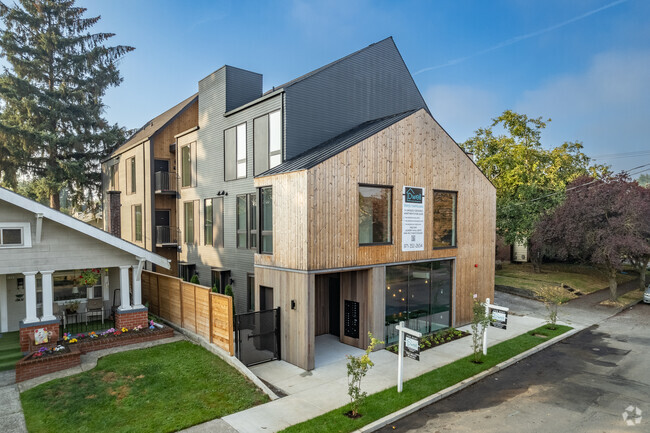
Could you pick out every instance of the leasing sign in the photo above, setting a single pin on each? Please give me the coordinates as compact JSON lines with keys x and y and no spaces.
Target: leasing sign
{"x":413,"y":219}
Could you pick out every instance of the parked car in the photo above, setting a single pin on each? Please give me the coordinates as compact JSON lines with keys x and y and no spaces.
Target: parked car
{"x":646,"y":295}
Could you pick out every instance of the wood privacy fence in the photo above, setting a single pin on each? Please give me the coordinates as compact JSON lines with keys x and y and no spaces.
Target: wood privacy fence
{"x":190,"y":306}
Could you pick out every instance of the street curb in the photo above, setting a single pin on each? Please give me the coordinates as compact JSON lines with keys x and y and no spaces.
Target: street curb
{"x":395,"y":416}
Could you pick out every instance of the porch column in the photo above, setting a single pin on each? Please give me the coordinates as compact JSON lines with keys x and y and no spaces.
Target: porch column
{"x":137,"y":284}
{"x":48,"y":296}
{"x":30,"y":297}
{"x":106,"y":292}
{"x":4,"y":321}
{"x":125,"y":302}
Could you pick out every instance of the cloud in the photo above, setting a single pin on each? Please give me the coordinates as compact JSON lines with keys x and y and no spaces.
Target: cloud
{"x":462,"y":109}
{"x":607,"y":106}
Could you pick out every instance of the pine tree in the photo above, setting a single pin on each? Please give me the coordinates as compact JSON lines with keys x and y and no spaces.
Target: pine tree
{"x":51,"y":110}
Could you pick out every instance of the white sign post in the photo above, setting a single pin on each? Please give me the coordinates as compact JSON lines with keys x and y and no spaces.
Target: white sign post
{"x":413,"y":219}
{"x":400,"y":355}
{"x":503,"y":317}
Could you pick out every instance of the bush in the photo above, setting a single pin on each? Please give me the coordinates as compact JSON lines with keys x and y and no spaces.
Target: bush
{"x":358,"y":366}
{"x":552,"y":296}
{"x":228,"y":292}
{"x":195,"y":279}
{"x":480,"y":322}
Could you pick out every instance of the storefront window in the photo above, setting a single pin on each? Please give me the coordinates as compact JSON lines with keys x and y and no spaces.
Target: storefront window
{"x":420,"y":295}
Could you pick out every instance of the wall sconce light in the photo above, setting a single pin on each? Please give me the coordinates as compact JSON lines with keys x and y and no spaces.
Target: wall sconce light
{"x":293,"y":304}
{"x":232,"y":281}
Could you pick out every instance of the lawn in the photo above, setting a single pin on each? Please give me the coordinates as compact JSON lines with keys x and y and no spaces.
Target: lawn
{"x":583,"y":278}
{"x":160,"y":389}
{"x":9,"y":350}
{"x":388,"y":401}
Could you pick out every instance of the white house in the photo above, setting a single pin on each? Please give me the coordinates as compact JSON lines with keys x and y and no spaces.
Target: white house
{"x":42,"y":254}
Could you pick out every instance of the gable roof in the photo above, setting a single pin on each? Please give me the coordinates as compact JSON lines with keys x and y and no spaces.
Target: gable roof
{"x":336,"y":145}
{"x":82,"y":227}
{"x":154,"y":125}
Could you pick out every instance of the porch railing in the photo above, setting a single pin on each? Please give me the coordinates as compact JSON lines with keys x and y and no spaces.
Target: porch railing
{"x":84,"y":322}
{"x":167,"y":236}
{"x":165,"y":182}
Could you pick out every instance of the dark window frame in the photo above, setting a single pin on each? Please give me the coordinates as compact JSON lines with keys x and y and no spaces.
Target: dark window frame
{"x":433,"y":215}
{"x":186,"y":237}
{"x":260,"y":226}
{"x":392,"y":215}
{"x":253,"y":213}
{"x":208,"y":236}
{"x":239,"y":230}
{"x":268,"y":141}
{"x":250,"y":292}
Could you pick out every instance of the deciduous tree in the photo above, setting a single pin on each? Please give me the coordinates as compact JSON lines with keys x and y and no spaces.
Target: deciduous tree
{"x":529,"y":179}
{"x":51,"y":110}
{"x":602,"y":222}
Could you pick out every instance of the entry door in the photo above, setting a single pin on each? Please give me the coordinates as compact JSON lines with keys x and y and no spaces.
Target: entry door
{"x":162,"y":218}
{"x":335,"y":305}
{"x":160,"y":165}
{"x":266,"y":298}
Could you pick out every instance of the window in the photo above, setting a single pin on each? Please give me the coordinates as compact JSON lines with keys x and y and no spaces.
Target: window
{"x":250,"y":284}
{"x":375,"y":205}
{"x":266,"y":220}
{"x":15,"y":235}
{"x":267,"y":141}
{"x":444,"y":219}
{"x":252,"y":221}
{"x":112,"y":175}
{"x":235,"y":152}
{"x":242,"y":218}
{"x":137,"y":223}
{"x":186,"y":166}
{"x":188,"y":207}
{"x":207,"y":217}
{"x":217,"y":230}
{"x":133,"y":175}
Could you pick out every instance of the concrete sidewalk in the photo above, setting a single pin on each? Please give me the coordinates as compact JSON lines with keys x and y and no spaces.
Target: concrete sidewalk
{"x":323,"y":389}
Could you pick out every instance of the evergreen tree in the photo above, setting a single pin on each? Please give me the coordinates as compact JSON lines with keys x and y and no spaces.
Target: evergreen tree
{"x":51,"y":110}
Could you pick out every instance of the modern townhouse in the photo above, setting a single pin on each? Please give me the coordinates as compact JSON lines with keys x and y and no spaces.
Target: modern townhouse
{"x":335,"y":197}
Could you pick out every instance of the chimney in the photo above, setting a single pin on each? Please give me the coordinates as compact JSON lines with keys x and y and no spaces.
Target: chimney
{"x":113,"y":216}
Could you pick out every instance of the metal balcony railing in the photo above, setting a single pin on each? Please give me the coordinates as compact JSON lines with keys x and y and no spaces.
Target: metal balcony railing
{"x":167,"y":236}
{"x":165,"y":182}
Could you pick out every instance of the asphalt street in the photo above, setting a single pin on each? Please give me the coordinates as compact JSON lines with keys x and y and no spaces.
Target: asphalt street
{"x":584,"y":384}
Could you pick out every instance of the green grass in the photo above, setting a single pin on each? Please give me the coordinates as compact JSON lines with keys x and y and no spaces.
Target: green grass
{"x":586,"y":279}
{"x":9,"y":350}
{"x":160,"y":389}
{"x":388,"y":401}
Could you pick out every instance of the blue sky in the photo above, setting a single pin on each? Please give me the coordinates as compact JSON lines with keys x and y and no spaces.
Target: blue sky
{"x":583,"y":63}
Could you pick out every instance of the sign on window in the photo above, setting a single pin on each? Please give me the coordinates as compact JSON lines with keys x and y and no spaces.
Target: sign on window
{"x":413,"y":219}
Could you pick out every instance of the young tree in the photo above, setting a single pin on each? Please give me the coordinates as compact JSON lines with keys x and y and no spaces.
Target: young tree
{"x":529,"y":179}
{"x":601,"y":222}
{"x":51,"y":124}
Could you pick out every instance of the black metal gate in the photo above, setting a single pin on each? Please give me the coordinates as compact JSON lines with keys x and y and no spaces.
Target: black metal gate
{"x":257,"y":336}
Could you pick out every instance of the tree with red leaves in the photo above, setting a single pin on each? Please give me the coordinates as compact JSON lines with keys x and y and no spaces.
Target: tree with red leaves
{"x":603,"y":222}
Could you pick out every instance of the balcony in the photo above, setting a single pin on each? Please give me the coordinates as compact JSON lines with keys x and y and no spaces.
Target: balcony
{"x":165,"y":182}
{"x":167,"y":236}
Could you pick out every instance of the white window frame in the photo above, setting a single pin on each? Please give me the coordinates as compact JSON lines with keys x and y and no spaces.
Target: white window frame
{"x":240,"y":150}
{"x":275,"y":138}
{"x":25,"y":234}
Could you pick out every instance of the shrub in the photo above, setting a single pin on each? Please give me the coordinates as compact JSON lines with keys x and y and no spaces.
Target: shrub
{"x":552,"y":296}
{"x":358,"y":366}
{"x":228,"y":292}
{"x":480,"y":321}
{"x":195,"y":279}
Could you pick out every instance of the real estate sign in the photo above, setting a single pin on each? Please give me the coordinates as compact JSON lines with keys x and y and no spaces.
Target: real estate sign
{"x":412,"y":347}
{"x":413,"y":219}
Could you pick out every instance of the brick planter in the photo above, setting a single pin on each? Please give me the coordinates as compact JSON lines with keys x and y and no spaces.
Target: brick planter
{"x":131,"y":318}
{"x":29,"y":367}
{"x":27,"y":330}
{"x":132,"y":337}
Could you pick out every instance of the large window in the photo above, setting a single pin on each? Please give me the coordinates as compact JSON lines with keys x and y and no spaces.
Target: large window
{"x":15,"y":235}
{"x":188,"y":208}
{"x":267,"y":141}
{"x":186,"y":166}
{"x":266,"y":220}
{"x":420,"y":295}
{"x":235,"y":152}
{"x":252,"y":221}
{"x":250,"y":285}
{"x":444,"y":219}
{"x":137,"y":223}
{"x":132,"y":175}
{"x":375,"y":209}
{"x":242,"y":219}
{"x":208,"y":214}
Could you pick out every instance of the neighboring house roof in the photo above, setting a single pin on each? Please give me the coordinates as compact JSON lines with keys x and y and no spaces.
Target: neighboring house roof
{"x":336,"y":145}
{"x":82,"y":227}
{"x":154,"y":125}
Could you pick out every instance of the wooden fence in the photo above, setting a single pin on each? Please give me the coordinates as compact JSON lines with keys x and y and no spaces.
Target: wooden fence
{"x":190,"y":306}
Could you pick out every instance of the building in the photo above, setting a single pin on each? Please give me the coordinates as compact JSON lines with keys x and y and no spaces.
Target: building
{"x":296,"y":197}
{"x":42,"y":254}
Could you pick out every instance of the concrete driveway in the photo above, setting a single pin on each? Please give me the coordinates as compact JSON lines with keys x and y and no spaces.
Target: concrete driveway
{"x":584,"y":384}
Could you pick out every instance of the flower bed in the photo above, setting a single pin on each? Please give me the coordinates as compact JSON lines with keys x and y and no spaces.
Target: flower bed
{"x":67,"y":353}
{"x":433,"y":340}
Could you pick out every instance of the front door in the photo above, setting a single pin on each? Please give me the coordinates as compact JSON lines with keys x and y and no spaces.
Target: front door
{"x":162,"y":218}
{"x":160,"y":165}
{"x":266,"y":298}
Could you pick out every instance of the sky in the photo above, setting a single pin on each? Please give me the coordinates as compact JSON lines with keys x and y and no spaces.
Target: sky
{"x":585,"y":64}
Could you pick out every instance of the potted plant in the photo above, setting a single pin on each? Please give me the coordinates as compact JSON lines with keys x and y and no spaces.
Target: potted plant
{"x":89,"y":277}
{"x":71,"y":307}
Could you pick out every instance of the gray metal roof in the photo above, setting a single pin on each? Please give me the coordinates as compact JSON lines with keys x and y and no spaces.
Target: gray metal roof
{"x":336,"y":145}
